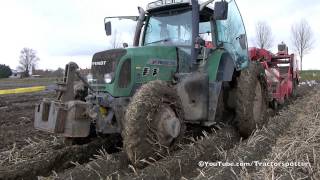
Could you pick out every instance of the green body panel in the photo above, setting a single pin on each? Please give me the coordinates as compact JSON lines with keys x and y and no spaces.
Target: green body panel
{"x":213,"y":64}
{"x":161,"y":58}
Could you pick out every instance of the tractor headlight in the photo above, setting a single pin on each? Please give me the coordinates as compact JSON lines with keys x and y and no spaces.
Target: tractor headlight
{"x":108,"y":78}
{"x":89,"y":78}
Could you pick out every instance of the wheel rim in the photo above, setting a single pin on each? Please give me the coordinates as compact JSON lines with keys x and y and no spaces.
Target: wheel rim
{"x":168,"y":125}
{"x":257,"y":104}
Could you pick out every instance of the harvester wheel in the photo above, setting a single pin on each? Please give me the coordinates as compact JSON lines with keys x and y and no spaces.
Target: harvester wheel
{"x":251,"y":99}
{"x":275,"y":104}
{"x":294,"y":88}
{"x":153,"y":122}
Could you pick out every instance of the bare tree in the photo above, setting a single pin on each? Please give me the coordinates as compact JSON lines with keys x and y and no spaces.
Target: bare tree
{"x":264,"y":37}
{"x":28,"y":59}
{"x":302,"y":38}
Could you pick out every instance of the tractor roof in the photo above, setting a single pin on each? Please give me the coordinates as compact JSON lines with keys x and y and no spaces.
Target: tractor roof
{"x":170,"y":4}
{"x":166,"y":4}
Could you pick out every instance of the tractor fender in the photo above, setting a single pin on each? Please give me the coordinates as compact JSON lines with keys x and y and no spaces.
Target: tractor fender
{"x":226,"y":68}
{"x":220,"y":66}
{"x":200,"y":91}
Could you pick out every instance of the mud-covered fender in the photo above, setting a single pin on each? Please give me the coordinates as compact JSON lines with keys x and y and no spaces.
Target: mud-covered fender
{"x":220,"y":66}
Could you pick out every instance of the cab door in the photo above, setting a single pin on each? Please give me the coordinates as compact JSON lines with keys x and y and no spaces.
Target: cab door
{"x":231,"y":34}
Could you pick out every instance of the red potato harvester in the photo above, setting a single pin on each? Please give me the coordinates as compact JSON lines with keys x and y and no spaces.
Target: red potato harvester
{"x":281,"y":70}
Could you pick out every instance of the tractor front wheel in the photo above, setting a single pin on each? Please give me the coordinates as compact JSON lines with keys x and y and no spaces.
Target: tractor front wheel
{"x":153,"y":122}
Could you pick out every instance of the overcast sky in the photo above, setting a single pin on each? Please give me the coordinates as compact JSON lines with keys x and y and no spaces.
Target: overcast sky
{"x":73,"y":30}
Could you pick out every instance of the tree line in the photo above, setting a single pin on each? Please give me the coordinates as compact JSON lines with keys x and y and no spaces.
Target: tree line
{"x":302,"y":38}
{"x":5,"y":71}
{"x":28,"y":60}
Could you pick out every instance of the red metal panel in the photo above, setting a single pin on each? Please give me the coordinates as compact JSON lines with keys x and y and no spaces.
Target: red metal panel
{"x":281,"y":69}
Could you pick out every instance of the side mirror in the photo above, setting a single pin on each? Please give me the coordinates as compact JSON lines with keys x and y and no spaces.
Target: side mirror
{"x":220,"y":10}
{"x":242,"y":41}
{"x":107,"y":27}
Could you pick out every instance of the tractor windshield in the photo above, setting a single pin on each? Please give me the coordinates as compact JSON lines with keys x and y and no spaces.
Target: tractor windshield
{"x":122,"y":30}
{"x":172,"y":28}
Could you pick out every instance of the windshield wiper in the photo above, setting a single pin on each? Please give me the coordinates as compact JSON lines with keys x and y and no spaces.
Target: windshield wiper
{"x":162,"y":40}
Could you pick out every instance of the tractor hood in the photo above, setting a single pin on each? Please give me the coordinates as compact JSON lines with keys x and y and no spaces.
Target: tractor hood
{"x":153,"y":62}
{"x":132,"y":67}
{"x":105,"y":62}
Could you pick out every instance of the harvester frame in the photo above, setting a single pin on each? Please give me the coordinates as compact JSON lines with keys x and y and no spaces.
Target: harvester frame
{"x":282,"y":73}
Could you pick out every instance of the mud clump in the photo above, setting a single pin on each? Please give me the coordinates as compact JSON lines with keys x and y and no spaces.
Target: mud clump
{"x":182,"y":163}
{"x":42,"y":164}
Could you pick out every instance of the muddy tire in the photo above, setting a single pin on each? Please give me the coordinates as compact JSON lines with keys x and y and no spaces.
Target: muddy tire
{"x":153,"y":122}
{"x":251,"y":99}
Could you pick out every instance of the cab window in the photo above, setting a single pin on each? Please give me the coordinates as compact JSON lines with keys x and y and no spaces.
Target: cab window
{"x":232,"y":34}
{"x":205,"y":33}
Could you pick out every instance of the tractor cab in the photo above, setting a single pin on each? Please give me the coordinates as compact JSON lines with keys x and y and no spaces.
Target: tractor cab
{"x":194,"y":28}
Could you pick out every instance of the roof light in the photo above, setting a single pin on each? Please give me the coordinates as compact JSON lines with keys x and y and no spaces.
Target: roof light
{"x":161,"y":3}
{"x":168,"y":1}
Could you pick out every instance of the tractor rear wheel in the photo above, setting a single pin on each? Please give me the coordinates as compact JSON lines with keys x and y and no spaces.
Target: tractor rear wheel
{"x":251,"y":99}
{"x":153,"y":122}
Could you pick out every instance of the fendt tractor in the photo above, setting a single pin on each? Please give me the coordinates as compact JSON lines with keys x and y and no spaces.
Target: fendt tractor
{"x":188,"y":65}
{"x":282,"y":73}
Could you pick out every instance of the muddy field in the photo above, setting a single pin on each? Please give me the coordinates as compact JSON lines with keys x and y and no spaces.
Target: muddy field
{"x":26,"y":82}
{"x":16,"y":125}
{"x":27,"y":154}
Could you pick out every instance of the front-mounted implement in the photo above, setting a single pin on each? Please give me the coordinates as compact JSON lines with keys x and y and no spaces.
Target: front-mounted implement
{"x":64,"y":115}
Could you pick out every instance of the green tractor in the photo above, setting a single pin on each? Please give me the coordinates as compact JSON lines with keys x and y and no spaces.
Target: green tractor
{"x":188,"y":64}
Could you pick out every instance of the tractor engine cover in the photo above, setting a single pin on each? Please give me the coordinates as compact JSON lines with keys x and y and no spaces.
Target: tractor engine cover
{"x":69,"y":119}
